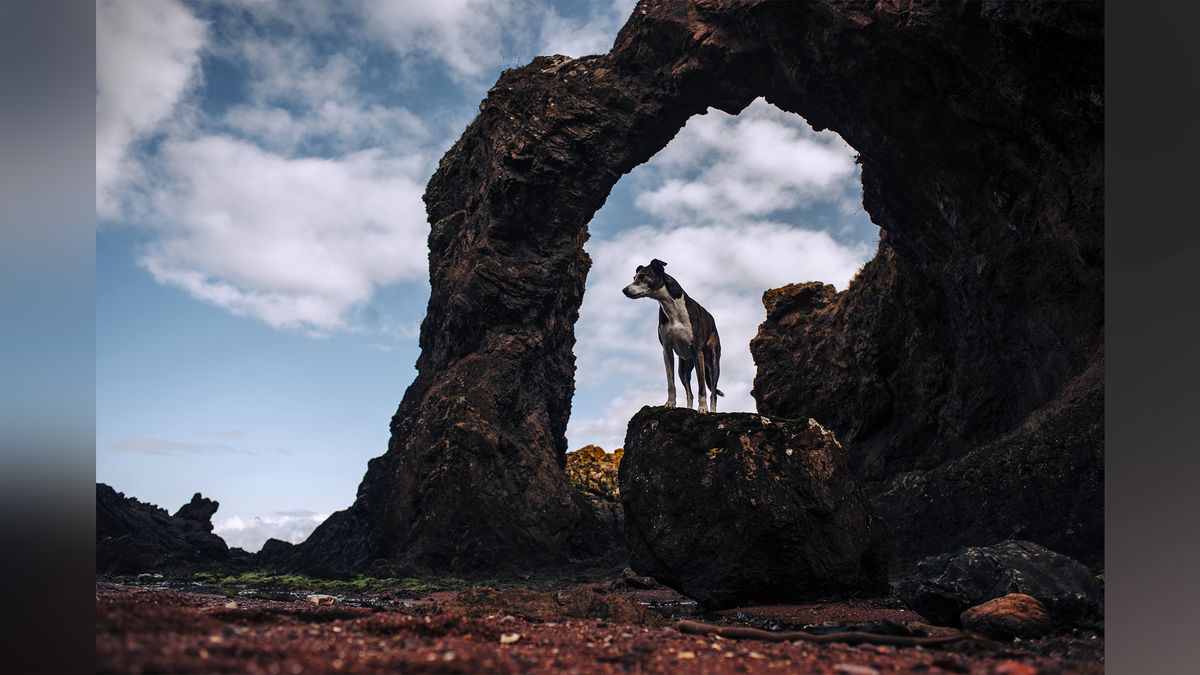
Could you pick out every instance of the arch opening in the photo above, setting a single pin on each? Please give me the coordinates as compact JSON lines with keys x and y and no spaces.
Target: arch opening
{"x":736,"y":205}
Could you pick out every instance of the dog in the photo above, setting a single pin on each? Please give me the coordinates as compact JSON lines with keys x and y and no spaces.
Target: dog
{"x":685,"y":329}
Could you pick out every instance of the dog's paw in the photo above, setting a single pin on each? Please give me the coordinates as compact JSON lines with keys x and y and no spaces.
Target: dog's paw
{"x":670,"y":403}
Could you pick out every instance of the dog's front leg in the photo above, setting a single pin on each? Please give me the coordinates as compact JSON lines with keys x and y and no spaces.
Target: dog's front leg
{"x":669,"y":361}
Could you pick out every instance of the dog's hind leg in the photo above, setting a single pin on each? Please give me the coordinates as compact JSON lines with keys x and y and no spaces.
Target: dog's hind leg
{"x":669,"y":362}
{"x":714,"y":373}
{"x":701,"y":377}
{"x":685,"y":376}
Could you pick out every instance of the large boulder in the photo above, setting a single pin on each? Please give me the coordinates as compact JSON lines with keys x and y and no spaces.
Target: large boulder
{"x":735,"y":508}
{"x":133,"y":536}
{"x":943,"y":587}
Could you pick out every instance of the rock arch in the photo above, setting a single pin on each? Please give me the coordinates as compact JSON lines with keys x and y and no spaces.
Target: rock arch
{"x":978,"y":126}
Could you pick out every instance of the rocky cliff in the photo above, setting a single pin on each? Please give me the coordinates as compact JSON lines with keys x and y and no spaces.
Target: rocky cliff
{"x":979,"y":128}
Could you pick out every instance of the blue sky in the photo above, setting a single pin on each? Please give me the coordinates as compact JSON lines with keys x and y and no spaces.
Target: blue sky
{"x":261,"y":259}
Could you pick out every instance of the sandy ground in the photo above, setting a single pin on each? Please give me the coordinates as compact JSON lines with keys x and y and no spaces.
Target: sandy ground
{"x":157,"y":628}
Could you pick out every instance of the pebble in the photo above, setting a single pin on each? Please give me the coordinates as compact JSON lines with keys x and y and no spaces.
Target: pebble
{"x":320,"y":599}
{"x":687,"y":655}
{"x":231,"y":605}
{"x":852,"y":669}
{"x":509,"y":638}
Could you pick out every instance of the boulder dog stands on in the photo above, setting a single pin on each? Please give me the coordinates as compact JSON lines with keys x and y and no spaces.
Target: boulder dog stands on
{"x":685,"y":329}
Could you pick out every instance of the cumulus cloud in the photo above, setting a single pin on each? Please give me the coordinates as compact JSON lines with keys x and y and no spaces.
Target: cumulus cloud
{"x":147,"y":55}
{"x":144,"y":445}
{"x":726,"y":167}
{"x":466,"y":36}
{"x":251,"y":533}
{"x":582,"y":36}
{"x":725,"y":268}
{"x":295,"y":242}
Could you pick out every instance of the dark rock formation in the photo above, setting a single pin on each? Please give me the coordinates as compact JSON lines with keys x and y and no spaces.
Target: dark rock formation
{"x":734,"y":508}
{"x":1007,"y":617}
{"x":134,"y":537}
{"x":943,"y":587}
{"x":953,"y":351}
{"x":198,"y":513}
{"x":979,"y":128}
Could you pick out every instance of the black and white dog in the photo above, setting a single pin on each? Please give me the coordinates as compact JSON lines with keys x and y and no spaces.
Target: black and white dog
{"x":685,"y":329}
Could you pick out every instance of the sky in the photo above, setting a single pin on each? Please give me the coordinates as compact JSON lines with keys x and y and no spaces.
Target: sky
{"x":261,"y":241}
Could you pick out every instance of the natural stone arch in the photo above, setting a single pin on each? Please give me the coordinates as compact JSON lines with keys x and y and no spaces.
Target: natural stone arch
{"x":472,"y":477}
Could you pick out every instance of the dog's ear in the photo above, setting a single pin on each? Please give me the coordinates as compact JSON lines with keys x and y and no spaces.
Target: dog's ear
{"x":658,"y":264}
{"x":674,"y":288}
{"x":640,"y":268}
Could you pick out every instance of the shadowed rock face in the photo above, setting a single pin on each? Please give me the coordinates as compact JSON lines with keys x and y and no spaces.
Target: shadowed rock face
{"x":473,"y":475}
{"x":963,"y":367}
{"x":735,"y":509}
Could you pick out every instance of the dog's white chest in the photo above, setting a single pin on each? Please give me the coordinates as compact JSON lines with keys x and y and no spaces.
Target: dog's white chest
{"x":676,"y":332}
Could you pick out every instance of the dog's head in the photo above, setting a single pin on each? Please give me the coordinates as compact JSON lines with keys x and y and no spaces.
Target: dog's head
{"x":648,"y":279}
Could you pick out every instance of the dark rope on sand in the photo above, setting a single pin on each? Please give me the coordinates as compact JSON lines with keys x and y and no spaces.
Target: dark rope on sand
{"x":849,"y":637}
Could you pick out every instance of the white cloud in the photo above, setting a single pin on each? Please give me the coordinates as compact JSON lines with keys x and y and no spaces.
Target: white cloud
{"x":726,"y":269}
{"x":147,"y":54}
{"x":578,"y":37}
{"x":339,"y":125}
{"x":251,"y":533}
{"x":144,"y":445}
{"x":466,"y":36}
{"x":295,"y":242}
{"x":761,"y":161}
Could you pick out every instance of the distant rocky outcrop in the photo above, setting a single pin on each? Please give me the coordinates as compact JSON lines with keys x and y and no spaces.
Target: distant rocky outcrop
{"x":735,"y":508}
{"x":134,"y":537}
{"x":943,"y":587}
{"x":592,"y":470}
{"x":979,"y":128}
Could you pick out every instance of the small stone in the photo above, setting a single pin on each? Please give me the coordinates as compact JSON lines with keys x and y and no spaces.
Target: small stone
{"x":321,"y":599}
{"x":852,"y":669}
{"x":1015,"y":668}
{"x":756,"y":655}
{"x":231,"y":605}
{"x":1013,"y":616}
{"x":509,"y":638}
{"x":687,"y":655}
{"x":448,"y":656}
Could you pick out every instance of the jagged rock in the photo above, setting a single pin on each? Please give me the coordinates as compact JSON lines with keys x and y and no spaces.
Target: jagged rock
{"x":1007,"y":617}
{"x":594,"y":471}
{"x":980,"y":133}
{"x":943,"y":587}
{"x":735,"y":508}
{"x":198,"y":513}
{"x":135,"y":537}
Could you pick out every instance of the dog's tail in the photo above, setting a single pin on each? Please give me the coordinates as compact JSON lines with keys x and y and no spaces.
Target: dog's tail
{"x":720,"y":393}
